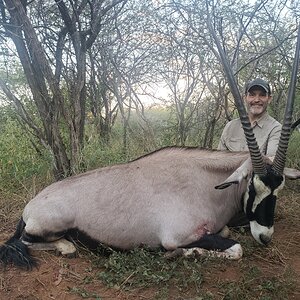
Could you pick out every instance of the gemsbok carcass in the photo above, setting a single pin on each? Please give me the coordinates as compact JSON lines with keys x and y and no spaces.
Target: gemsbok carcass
{"x":177,"y":198}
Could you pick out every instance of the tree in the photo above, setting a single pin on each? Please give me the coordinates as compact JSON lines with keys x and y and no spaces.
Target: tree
{"x":122,"y":65}
{"x":52,"y":42}
{"x":255,"y":37}
{"x":99,"y":58}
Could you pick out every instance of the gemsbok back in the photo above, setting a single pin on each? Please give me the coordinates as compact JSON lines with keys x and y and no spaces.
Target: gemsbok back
{"x":175,"y":198}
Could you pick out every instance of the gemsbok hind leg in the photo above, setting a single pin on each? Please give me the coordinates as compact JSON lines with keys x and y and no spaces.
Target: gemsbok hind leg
{"x":61,"y":246}
{"x":212,"y":245}
{"x":37,"y":239}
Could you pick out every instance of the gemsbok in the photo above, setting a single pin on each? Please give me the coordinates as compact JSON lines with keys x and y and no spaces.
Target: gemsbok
{"x":175,"y":198}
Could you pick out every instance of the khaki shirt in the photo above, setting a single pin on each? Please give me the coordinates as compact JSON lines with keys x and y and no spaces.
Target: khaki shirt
{"x":265,"y":129}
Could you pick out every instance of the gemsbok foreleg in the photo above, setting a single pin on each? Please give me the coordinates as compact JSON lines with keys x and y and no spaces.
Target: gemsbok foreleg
{"x":212,"y":245}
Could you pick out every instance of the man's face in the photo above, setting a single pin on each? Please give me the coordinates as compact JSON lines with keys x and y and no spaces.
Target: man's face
{"x":257,"y":101}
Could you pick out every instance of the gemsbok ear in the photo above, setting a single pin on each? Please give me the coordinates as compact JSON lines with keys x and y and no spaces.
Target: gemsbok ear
{"x":241,"y":173}
{"x":225,"y":184}
{"x":291,"y":173}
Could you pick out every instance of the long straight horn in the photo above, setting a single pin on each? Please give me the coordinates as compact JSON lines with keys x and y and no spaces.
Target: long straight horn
{"x":280,"y":157}
{"x":257,"y":161}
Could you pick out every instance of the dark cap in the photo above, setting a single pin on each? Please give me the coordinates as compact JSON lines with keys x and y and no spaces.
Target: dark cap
{"x":258,"y":82}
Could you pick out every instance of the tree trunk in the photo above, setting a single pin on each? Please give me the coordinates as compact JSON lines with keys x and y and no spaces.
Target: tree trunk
{"x":38,"y":73}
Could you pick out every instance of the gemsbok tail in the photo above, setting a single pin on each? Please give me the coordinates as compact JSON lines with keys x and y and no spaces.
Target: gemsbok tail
{"x":15,"y":252}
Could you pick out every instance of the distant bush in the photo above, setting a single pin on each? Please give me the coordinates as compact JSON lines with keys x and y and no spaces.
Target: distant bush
{"x":19,"y":161}
{"x":293,"y":159}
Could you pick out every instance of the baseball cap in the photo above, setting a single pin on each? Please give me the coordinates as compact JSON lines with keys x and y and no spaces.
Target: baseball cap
{"x":258,"y":82}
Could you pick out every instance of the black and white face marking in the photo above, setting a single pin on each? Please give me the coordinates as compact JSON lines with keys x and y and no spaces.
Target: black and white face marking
{"x":259,"y":204}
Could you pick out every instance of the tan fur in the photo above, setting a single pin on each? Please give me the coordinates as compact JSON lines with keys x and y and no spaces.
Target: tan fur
{"x":165,"y":198}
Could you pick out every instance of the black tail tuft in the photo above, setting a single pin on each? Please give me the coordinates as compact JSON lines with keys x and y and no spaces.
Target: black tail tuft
{"x":15,"y":252}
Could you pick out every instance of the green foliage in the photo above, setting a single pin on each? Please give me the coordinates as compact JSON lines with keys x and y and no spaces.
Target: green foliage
{"x":97,"y":153}
{"x":141,"y":268}
{"x":254,"y":282}
{"x":293,"y":159}
{"x":84,"y":294}
{"x":144,"y":269}
{"x":19,"y":161}
{"x":142,"y":138}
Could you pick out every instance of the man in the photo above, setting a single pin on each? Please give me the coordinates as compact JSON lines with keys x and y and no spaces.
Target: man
{"x":266,"y":129}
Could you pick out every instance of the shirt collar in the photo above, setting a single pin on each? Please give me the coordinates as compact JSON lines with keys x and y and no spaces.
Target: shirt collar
{"x":261,"y":121}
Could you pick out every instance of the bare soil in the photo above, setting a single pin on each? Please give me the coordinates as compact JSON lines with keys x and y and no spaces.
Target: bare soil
{"x":73,"y":278}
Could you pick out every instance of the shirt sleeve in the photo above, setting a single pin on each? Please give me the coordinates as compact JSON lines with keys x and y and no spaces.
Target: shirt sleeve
{"x":273,"y":140}
{"x":222,"y":142}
